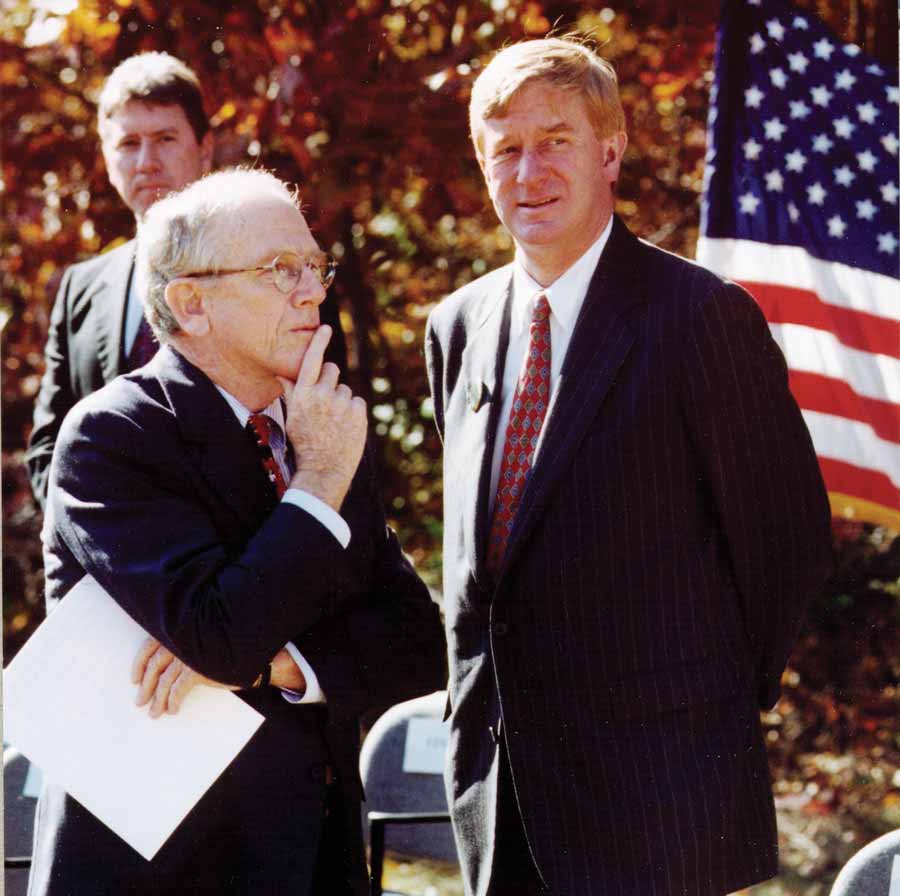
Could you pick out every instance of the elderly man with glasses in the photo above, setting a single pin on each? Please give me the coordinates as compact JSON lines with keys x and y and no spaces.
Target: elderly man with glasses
{"x":223,"y":496}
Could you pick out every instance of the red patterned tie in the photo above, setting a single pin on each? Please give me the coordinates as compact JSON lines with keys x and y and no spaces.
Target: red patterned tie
{"x":525,"y":420}
{"x":143,"y":349}
{"x":266,"y":433}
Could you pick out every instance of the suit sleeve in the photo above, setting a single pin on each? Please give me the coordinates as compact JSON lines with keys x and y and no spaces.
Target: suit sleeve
{"x":388,"y":646}
{"x":759,"y":464}
{"x":55,"y":398}
{"x":125,"y":505}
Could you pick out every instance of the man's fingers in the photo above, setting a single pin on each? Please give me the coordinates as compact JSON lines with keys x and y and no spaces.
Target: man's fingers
{"x":159,"y":661}
{"x":311,"y":366}
{"x":329,"y":375}
{"x":186,"y":681}
{"x":141,"y":659}
{"x":163,"y":687}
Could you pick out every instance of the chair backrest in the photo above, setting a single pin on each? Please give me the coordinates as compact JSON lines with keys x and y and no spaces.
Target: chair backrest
{"x":19,"y":803}
{"x":401,"y":766}
{"x":873,"y":871}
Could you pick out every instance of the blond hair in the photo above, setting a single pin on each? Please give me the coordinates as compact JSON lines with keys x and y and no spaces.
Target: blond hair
{"x":562,"y":62}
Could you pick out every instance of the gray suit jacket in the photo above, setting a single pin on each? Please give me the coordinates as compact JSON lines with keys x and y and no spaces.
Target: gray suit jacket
{"x":83,"y":351}
{"x":672,"y":530}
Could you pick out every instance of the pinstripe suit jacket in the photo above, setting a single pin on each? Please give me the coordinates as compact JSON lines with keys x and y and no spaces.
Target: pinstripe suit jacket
{"x":674,"y":525}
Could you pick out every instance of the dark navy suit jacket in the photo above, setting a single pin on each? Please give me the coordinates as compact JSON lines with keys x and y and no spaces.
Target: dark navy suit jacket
{"x":671,"y":532}
{"x":159,"y":494}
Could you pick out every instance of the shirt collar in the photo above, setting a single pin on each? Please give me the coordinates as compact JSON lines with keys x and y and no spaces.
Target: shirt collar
{"x":565,"y":295}
{"x":275,"y":410}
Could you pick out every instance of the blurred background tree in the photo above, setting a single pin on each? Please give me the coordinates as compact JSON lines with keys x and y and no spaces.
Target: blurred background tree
{"x":362,"y":104}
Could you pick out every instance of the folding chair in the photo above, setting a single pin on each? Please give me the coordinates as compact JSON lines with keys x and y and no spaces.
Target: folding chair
{"x":401,"y":766}
{"x":18,"y":822}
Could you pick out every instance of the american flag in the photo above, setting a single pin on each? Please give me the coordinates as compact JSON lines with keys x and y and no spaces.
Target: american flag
{"x":800,"y":207}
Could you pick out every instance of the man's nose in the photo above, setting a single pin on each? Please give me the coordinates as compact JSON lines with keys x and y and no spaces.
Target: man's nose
{"x":531,"y":166}
{"x":148,"y":158}
{"x":309,"y":291}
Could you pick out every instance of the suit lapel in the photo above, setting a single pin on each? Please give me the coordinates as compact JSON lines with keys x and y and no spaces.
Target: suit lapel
{"x":111,"y":295}
{"x":482,"y":373}
{"x":600,"y":343}
{"x":224,"y":455}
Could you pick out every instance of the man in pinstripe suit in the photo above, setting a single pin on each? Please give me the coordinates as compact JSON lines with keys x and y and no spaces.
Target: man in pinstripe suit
{"x":634,"y":520}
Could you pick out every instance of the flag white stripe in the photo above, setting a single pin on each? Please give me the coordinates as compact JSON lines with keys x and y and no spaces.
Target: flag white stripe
{"x":853,"y":443}
{"x":834,"y":283}
{"x":818,"y":351}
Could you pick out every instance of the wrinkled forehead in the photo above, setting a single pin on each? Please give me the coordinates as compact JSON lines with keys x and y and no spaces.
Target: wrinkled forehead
{"x":537,"y":104}
{"x":255,"y":229}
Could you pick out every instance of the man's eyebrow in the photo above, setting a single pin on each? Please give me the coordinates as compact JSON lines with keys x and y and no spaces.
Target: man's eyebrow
{"x":159,"y":132}
{"x":558,"y":127}
{"x":270,"y":256}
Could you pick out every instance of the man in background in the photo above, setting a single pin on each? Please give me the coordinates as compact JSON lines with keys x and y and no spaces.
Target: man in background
{"x":634,"y":520}
{"x":155,"y":139}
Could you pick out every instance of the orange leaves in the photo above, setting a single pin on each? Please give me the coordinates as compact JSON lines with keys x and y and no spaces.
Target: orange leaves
{"x":534,"y":22}
{"x":667,"y":87}
{"x":285,"y":40}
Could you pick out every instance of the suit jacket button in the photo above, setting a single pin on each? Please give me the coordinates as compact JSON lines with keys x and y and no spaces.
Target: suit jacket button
{"x":500,"y":629}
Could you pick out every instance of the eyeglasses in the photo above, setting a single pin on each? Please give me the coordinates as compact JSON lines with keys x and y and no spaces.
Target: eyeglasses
{"x":286,"y":269}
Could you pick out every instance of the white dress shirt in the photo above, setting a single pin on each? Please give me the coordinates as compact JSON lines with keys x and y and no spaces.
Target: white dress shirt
{"x":565,"y":296}
{"x":328,"y":517}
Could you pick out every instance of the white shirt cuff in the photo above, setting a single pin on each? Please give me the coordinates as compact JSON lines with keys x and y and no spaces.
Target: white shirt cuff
{"x":313,"y":693}
{"x":329,"y":518}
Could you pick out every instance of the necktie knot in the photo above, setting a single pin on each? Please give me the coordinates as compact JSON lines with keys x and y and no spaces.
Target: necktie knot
{"x":541,"y":312}
{"x":262,"y":426}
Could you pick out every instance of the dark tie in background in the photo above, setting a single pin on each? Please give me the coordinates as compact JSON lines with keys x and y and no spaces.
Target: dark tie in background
{"x":144,"y":348}
{"x":525,"y":420}
{"x":267,"y":434}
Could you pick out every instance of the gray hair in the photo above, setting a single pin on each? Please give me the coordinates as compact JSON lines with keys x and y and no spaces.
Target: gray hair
{"x":181,"y":234}
{"x":157,"y":79}
{"x":563,"y":62}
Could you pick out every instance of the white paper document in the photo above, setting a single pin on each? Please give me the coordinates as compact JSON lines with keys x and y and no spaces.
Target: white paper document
{"x":69,"y":707}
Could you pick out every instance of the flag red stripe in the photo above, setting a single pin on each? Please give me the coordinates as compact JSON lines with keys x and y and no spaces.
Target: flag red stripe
{"x":815,"y":392}
{"x":865,"y":484}
{"x":856,"y":329}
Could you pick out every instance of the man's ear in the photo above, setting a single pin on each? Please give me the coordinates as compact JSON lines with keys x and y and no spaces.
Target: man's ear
{"x":207,"y":145}
{"x":187,"y":307}
{"x":613,"y":151}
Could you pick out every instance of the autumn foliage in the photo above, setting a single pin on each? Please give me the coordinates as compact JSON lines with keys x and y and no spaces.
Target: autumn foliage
{"x":362,"y":103}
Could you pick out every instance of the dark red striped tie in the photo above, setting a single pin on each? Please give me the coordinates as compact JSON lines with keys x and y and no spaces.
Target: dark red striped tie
{"x":263,"y":428}
{"x":526,"y":417}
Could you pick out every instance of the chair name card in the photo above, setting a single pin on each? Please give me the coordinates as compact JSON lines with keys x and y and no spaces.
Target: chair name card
{"x":426,"y":746}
